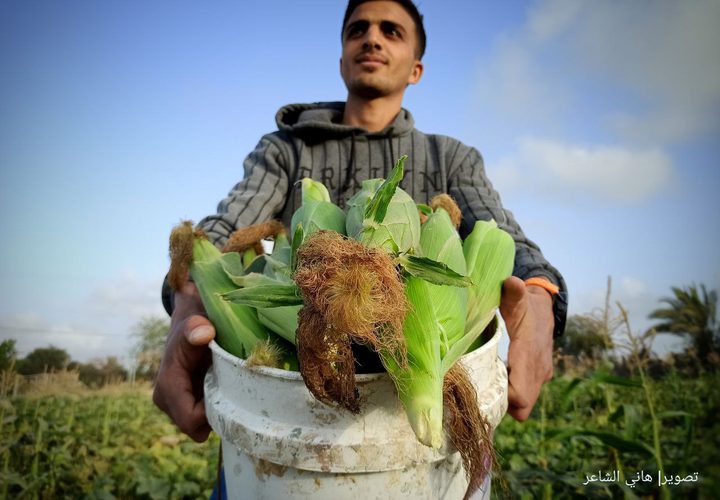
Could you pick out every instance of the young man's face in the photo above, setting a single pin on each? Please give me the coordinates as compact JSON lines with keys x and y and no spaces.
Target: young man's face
{"x":379,"y":50}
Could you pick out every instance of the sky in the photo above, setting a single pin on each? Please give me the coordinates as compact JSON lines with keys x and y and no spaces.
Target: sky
{"x":599,"y":124}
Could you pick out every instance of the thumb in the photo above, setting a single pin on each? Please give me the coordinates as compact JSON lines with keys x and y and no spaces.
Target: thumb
{"x":512,"y":303}
{"x":198,"y":332}
{"x":513,"y":293}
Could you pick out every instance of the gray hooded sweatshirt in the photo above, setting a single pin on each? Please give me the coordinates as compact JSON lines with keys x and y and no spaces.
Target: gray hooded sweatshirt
{"x":311,"y":141}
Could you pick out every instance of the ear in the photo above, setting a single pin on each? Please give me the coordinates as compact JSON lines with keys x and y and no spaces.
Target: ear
{"x":416,"y":73}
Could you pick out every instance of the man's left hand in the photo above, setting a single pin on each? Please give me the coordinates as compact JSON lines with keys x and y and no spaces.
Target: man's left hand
{"x":527,"y":311}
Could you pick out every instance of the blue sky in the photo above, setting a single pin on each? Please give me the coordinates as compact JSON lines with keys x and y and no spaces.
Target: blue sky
{"x":598,"y":121}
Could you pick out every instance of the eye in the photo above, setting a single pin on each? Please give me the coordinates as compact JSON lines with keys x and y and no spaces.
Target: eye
{"x":391,"y":29}
{"x":355,"y":29}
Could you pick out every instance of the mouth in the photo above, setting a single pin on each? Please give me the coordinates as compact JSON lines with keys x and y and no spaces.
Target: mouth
{"x":370,"y":60}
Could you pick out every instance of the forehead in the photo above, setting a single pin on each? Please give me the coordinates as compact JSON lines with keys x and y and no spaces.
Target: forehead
{"x":376,"y":11}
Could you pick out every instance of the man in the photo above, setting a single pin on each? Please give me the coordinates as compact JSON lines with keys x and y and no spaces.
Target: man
{"x":341,"y":144}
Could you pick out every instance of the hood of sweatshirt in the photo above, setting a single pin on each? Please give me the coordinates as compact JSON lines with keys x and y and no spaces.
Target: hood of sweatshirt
{"x":322,"y":120}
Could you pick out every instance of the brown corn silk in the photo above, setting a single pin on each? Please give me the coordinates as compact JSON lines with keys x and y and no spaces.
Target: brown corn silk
{"x":446,"y":202}
{"x":251,"y":237}
{"x":326,"y":361}
{"x":352,"y":293}
{"x":181,"y":253}
{"x":467,"y":427}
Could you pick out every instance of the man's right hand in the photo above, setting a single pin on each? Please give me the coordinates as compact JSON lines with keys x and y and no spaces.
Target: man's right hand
{"x":179,"y":383}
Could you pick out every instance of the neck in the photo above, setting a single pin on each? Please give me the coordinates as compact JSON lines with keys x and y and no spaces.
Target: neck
{"x":373,"y":115}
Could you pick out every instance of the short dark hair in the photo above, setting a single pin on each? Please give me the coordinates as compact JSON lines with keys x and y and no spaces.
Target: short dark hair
{"x":409,"y":7}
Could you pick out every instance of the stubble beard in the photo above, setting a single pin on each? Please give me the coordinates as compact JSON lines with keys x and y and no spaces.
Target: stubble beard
{"x":365,"y":91}
{"x":369,"y":87}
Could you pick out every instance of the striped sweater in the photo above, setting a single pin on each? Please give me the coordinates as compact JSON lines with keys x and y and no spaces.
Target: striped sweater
{"x":312,"y":142}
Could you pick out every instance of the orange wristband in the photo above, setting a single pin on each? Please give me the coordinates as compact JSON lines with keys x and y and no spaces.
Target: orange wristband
{"x":552,"y":288}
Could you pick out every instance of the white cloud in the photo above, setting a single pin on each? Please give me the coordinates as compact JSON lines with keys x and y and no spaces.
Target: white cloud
{"x":98,"y":326}
{"x":128,"y":296}
{"x":548,"y":19}
{"x":647,"y":70}
{"x":605,"y":172}
{"x":633,"y":287}
{"x":663,"y":50}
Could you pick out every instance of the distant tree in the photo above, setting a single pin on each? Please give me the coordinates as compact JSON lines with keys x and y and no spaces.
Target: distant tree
{"x":8,"y":353}
{"x":150,"y":334}
{"x":100,"y":372}
{"x":585,"y":337}
{"x":44,"y":359}
{"x":692,"y":313}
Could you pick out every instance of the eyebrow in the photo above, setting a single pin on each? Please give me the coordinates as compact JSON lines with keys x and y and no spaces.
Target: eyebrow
{"x":384,"y":25}
{"x":361,"y":23}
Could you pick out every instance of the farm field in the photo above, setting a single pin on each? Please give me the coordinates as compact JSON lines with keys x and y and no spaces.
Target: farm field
{"x":113,"y":443}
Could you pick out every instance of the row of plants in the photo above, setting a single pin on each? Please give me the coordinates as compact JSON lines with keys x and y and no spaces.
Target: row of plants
{"x":103,"y":444}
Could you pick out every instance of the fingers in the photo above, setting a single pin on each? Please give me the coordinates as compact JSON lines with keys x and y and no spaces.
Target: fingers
{"x":179,"y":390}
{"x":183,"y":409}
{"x":189,"y":415}
{"x":529,"y":367}
{"x":198,"y":331}
{"x":523,"y":392}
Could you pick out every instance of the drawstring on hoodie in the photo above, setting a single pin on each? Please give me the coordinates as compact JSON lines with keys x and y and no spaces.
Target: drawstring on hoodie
{"x":350,"y":167}
{"x":392,"y":153}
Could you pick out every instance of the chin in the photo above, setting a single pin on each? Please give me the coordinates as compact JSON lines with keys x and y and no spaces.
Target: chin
{"x":366,"y":89}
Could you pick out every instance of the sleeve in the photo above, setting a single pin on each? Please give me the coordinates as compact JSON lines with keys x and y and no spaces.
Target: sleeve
{"x":478,"y":200}
{"x":258,"y":197}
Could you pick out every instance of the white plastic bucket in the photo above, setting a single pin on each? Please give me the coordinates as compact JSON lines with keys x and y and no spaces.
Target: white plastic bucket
{"x":279,"y":442}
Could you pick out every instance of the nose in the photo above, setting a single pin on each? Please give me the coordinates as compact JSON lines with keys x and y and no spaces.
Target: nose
{"x":372,"y":38}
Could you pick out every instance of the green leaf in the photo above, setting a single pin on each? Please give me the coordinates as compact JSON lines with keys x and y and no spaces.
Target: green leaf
{"x":606,"y":378}
{"x":296,"y":242}
{"x":567,"y":394}
{"x":672,"y":414}
{"x":257,"y":265}
{"x":248,"y":257}
{"x":277,"y":295}
{"x":377,"y":208}
{"x":424,"y":209}
{"x":432,"y":271}
{"x":254,"y":279}
{"x":608,"y":439}
{"x":232,"y":264}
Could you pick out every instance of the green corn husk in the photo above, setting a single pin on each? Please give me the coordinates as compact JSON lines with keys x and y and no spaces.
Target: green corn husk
{"x":446,"y":316}
{"x":273,"y":294}
{"x":441,"y":242}
{"x":420,"y":382}
{"x":435,"y":322}
{"x":382,"y":215}
{"x":317,"y":212}
{"x":282,"y":320}
{"x":237,"y":327}
{"x":489,"y":254}
{"x":278,"y":262}
{"x":490,"y":257}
